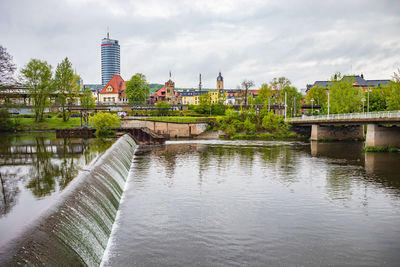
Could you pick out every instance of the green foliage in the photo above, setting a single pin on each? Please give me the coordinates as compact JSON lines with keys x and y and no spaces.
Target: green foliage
{"x":36,"y":75}
{"x":264,"y":93}
{"x":137,"y":89}
{"x":103,"y":121}
{"x":204,"y":106}
{"x":249,"y":126}
{"x":319,"y":94}
{"x":381,"y":149}
{"x":377,"y":99}
{"x":249,"y":122}
{"x":162,"y":108}
{"x":272,"y":122}
{"x":65,"y":86}
{"x":87,"y":99}
{"x":218,"y":109}
{"x":293,"y":100}
{"x":393,"y":96}
{"x":344,"y":98}
{"x":279,"y":83}
{"x":29,"y":124}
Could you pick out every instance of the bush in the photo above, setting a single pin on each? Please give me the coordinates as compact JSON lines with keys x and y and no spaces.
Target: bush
{"x":103,"y":122}
{"x":272,"y":122}
{"x":162,"y":108}
{"x":249,"y":127}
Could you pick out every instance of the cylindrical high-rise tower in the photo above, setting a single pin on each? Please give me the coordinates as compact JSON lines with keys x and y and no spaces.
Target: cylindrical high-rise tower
{"x":110,"y":59}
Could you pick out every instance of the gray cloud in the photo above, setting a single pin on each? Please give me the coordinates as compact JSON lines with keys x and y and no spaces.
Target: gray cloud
{"x":259,"y":40}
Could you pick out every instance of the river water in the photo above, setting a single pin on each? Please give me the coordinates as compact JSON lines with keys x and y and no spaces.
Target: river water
{"x":253,"y":203}
{"x":34,"y":170}
{"x":217,"y":203}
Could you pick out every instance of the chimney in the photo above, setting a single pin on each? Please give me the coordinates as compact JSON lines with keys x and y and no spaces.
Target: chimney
{"x":362,"y":76}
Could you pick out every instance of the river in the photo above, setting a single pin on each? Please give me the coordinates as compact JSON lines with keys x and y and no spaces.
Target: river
{"x":254,"y":203}
{"x":223,"y":203}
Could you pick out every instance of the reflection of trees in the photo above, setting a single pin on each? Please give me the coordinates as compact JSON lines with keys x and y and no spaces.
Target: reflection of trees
{"x":43,"y":172}
{"x":9,"y":191}
{"x":8,"y":182}
{"x":339,"y":183}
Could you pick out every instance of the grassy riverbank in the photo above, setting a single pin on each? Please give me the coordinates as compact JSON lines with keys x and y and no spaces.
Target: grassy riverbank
{"x":287,"y":136}
{"x":29,"y":124}
{"x":381,"y":149}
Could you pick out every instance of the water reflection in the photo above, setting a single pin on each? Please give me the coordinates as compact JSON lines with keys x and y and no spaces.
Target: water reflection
{"x":246,"y":203}
{"x":41,"y":164}
{"x":349,"y":167}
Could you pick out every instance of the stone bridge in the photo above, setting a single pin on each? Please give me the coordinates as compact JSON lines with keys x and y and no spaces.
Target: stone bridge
{"x":382,"y":127}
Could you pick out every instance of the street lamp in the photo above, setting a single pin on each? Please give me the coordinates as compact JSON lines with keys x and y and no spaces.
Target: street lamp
{"x":312,"y":107}
{"x":363,"y":100}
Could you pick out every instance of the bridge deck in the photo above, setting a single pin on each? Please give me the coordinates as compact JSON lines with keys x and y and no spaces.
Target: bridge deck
{"x":383,"y":117}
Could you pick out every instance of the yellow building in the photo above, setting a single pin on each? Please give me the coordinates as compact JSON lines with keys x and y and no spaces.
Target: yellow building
{"x":192,"y":97}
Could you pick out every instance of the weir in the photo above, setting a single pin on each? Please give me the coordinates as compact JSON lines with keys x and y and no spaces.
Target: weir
{"x":75,"y":231}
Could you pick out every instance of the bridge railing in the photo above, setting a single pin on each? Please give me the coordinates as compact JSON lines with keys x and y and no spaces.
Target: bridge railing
{"x":348,"y":116}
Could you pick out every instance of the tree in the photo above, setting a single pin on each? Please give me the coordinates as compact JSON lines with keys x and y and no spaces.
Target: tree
{"x":246,"y":84}
{"x":319,"y":94}
{"x":87,"y":99}
{"x":293,"y":99}
{"x":264,"y":93}
{"x":163,"y":108}
{"x":7,"y":68}
{"x":377,"y":98}
{"x":137,"y":89}
{"x":65,"y":84}
{"x":36,"y":75}
{"x":204,"y":105}
{"x":344,"y":98}
{"x":279,"y":83}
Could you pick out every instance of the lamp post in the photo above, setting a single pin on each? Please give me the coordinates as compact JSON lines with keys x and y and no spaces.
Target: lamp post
{"x":368,"y":90}
{"x":312,"y":107}
{"x":363,"y":100}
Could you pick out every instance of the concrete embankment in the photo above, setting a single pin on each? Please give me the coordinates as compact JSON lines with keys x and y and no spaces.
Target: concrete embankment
{"x":169,"y":129}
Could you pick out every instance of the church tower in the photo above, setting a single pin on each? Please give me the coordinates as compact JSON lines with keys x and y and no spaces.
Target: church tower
{"x":220,"y":82}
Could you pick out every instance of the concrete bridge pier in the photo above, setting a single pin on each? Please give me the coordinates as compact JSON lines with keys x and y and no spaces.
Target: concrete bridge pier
{"x":342,"y":132}
{"x":378,"y":135}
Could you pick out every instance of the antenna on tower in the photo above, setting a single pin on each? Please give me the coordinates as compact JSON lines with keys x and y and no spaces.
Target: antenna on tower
{"x":170,"y":75}
{"x":108,"y":33}
{"x":200,"y":83}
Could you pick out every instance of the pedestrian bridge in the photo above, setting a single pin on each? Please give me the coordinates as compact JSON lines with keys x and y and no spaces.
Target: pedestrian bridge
{"x":382,"y":127}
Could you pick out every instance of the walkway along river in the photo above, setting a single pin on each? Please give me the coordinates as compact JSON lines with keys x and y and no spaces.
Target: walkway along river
{"x":224,"y":203}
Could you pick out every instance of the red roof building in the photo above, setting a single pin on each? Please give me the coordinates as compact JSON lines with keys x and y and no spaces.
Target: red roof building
{"x":114,"y":91}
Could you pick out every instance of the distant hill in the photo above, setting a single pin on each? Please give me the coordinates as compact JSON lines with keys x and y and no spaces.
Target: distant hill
{"x":154,"y":87}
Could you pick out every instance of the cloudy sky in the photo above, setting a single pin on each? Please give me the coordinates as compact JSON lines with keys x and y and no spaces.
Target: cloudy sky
{"x":252,"y":39}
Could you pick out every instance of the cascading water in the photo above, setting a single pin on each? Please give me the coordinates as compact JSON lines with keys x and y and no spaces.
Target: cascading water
{"x":76,"y":230}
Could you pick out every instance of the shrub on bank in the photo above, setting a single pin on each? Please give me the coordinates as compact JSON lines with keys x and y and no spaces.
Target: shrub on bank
{"x":250,"y":124}
{"x":103,"y":122}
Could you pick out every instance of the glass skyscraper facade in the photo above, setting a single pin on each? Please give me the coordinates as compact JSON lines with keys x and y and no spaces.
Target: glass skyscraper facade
{"x":110,"y":59}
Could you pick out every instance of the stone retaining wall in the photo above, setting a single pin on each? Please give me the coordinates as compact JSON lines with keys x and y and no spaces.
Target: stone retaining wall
{"x":169,"y":129}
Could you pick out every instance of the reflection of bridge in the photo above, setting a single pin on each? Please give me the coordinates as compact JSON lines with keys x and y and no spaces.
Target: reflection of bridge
{"x":21,"y":154}
{"x":381,"y":129}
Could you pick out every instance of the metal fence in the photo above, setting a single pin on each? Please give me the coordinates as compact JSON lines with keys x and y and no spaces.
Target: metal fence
{"x":348,"y":116}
